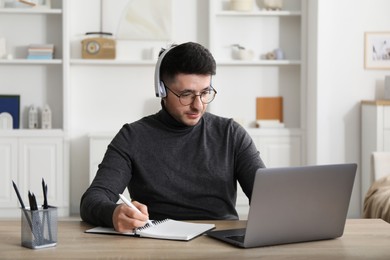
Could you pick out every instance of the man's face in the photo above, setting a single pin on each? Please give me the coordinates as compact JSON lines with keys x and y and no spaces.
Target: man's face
{"x":183,"y":83}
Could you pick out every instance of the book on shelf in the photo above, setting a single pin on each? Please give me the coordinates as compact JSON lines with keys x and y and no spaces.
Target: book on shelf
{"x":40,"y":51}
{"x":162,"y":229}
{"x":40,"y":57}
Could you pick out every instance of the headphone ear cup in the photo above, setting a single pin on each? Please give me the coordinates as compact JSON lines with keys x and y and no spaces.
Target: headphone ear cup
{"x":163,"y":91}
{"x":158,"y":84}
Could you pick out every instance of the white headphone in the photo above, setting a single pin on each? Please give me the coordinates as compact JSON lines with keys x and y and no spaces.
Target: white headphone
{"x":158,"y":84}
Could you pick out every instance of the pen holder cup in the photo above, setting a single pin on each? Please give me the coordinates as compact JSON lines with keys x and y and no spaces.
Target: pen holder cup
{"x":39,"y":228}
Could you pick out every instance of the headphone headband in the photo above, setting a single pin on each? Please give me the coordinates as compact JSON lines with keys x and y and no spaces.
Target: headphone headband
{"x":158,"y":84}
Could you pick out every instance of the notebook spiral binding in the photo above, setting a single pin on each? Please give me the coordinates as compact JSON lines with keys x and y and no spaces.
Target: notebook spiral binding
{"x":155,"y":222}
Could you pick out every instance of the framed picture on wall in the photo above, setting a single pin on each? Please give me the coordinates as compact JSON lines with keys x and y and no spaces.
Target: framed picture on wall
{"x":138,"y":19}
{"x":377,"y":50}
{"x":11,"y":105}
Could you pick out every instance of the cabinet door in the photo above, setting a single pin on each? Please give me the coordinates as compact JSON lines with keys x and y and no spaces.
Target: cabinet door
{"x":8,"y":172}
{"x":281,"y":151}
{"x":43,"y":158}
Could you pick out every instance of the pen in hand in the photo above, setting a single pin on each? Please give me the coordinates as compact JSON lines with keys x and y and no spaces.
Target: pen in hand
{"x":128,"y":203}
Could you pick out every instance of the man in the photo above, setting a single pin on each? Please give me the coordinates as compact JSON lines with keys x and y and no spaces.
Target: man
{"x":182,"y":162}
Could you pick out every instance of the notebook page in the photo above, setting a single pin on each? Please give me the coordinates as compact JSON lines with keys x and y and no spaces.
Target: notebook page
{"x":174,"y":230}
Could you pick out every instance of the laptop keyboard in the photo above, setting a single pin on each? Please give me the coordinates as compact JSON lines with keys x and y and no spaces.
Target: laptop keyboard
{"x":237,"y":238}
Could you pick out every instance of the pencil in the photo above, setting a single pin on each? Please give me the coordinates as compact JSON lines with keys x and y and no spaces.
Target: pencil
{"x":18,"y":194}
{"x":23,"y":207}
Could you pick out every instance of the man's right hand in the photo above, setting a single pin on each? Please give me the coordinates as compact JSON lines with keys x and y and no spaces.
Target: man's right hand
{"x":125,"y":219}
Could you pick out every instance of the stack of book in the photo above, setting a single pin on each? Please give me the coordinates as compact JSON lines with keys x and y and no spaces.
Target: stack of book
{"x":40,"y":52}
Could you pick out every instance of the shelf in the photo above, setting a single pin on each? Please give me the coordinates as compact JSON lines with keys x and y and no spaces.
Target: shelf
{"x":378,"y":102}
{"x":274,"y":131}
{"x":30,"y":62}
{"x":112,"y":62}
{"x":32,"y":133}
{"x":259,"y":13}
{"x":37,"y":10}
{"x":258,"y":62}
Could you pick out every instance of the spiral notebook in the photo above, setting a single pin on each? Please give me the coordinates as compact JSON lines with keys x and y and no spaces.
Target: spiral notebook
{"x":162,"y":229}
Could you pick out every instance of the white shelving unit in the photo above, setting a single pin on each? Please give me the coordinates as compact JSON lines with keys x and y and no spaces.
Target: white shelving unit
{"x":28,"y":155}
{"x":260,"y":31}
{"x":44,"y":77}
{"x":241,"y":81}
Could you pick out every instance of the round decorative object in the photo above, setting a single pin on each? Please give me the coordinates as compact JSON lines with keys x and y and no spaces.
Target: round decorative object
{"x":93,"y":47}
{"x":270,"y":55}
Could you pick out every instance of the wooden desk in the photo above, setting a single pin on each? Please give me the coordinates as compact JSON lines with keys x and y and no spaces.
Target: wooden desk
{"x":362,"y":239}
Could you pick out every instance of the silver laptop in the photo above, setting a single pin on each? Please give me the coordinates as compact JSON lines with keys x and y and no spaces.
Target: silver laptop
{"x":295,"y":204}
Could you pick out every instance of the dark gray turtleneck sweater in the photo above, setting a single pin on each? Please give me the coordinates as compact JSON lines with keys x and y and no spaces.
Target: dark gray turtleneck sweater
{"x":180,"y":172}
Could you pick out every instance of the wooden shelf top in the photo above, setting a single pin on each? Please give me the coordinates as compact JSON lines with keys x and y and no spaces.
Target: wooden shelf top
{"x":378,"y":102}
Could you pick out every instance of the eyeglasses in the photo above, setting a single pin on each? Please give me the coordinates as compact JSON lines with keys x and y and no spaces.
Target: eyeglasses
{"x":187,"y":97}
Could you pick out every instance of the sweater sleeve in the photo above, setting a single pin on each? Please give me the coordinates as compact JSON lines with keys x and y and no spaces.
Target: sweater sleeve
{"x":248,"y":160}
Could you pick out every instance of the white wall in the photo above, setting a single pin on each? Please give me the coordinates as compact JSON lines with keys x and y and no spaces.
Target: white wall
{"x":338,"y":80}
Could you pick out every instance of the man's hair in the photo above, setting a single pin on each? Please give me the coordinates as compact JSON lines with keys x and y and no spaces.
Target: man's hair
{"x":187,"y":58}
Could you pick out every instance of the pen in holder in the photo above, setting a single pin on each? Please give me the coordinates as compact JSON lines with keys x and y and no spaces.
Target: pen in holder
{"x":39,"y":227}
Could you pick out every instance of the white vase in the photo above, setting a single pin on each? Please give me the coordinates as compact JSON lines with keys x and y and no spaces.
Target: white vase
{"x":241,"y":5}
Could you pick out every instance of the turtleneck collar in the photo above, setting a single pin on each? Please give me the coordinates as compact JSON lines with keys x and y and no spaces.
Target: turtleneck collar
{"x":168,"y":120}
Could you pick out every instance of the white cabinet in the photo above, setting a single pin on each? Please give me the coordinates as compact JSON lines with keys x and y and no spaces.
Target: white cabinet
{"x":8,"y":170}
{"x":42,"y":157}
{"x":28,"y":159}
{"x":279,"y":148}
{"x":375,"y":136}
